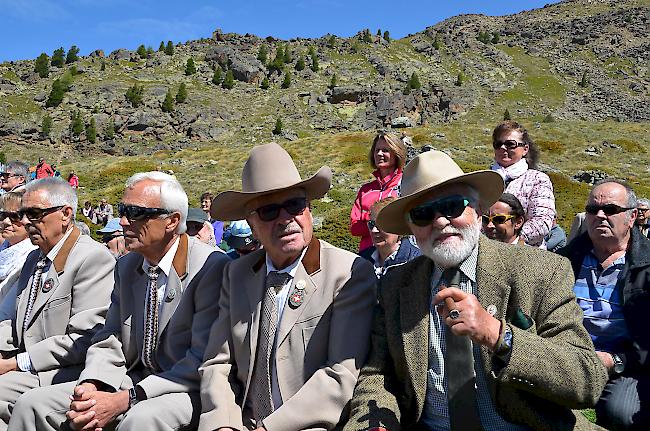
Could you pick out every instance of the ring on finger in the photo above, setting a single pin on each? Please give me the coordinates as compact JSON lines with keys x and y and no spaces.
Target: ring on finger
{"x":454,"y":314}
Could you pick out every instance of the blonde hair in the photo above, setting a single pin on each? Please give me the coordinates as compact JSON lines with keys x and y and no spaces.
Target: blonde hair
{"x":11,"y":199}
{"x":395,"y":144}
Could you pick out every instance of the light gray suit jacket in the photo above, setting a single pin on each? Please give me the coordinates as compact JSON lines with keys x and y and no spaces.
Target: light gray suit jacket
{"x":321,"y":344}
{"x":70,"y":306}
{"x":183,"y":329}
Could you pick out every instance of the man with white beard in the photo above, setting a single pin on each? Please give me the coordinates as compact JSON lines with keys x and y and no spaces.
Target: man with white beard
{"x":475,"y":334}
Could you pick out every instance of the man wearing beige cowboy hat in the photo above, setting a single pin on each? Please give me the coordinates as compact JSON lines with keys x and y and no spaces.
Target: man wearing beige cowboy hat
{"x":475,"y":334}
{"x":294,"y":317}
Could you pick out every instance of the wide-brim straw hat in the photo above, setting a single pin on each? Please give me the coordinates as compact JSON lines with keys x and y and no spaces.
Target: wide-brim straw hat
{"x":269,"y":169}
{"x":432,"y":171}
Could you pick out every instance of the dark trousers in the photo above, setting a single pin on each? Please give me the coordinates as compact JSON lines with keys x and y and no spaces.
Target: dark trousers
{"x":625,"y":403}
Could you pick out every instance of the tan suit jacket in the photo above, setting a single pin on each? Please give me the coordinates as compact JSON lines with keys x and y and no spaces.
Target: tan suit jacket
{"x":69,"y":308}
{"x":321,"y":344}
{"x":183,"y":328}
{"x":553,"y":367}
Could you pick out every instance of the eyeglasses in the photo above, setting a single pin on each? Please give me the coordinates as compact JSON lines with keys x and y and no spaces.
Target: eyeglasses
{"x":294,"y":207}
{"x":449,"y":207}
{"x":372,"y":224}
{"x":11,"y":215}
{"x":109,"y":237}
{"x":36,"y":214}
{"x":510,"y":144}
{"x":134,"y":212}
{"x":496,"y":218}
{"x":607,"y":209}
{"x":643,"y":210}
{"x":6,"y":175}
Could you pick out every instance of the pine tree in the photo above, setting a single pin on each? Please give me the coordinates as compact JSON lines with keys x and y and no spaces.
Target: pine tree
{"x":286,"y":82}
{"x":414,"y":82}
{"x":584,"y":82}
{"x":229,"y":81}
{"x":436,"y":42}
{"x":311,"y":51}
{"x":109,"y":131}
{"x":46,"y":126}
{"x":495,"y":37}
{"x":134,"y":95}
{"x":333,"y":81}
{"x":181,"y":96}
{"x":387,"y":36}
{"x":278,"y":61}
{"x":506,"y":115}
{"x":76,"y":125}
{"x":190,"y":68}
{"x":42,"y":65}
{"x":366,"y":36}
{"x":314,"y":63}
{"x":277,"y":130}
{"x":56,"y":94}
{"x":102,"y":67}
{"x":287,"y":54}
{"x":262,"y":54}
{"x":150,"y":52}
{"x":72,"y":55}
{"x":300,"y":64}
{"x":91,"y":131}
{"x":378,"y":32}
{"x":161,"y":47}
{"x":407,"y":89}
{"x":216,"y":78}
{"x":142,"y":51}
{"x":460,"y":79}
{"x":168,"y":103}
{"x":169,"y":49}
{"x":265,"y":84}
{"x":331,"y":41}
{"x":58,"y":58}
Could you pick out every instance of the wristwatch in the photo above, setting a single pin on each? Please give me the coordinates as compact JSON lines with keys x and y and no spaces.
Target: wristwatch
{"x":619,"y":366}
{"x":133,"y":397}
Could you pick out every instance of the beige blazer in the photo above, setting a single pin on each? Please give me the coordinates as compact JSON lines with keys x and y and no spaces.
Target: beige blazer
{"x":70,"y":306}
{"x":182,"y":331}
{"x":321,"y":344}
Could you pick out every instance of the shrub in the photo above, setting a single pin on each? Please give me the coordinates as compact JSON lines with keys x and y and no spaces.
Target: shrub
{"x":161,"y":47}
{"x":217,"y":78}
{"x":414,"y":82}
{"x":460,"y":79}
{"x":142,"y":51}
{"x":229,"y":81}
{"x":548,"y":118}
{"x":42,"y":65}
{"x":72,"y":55}
{"x":366,"y":37}
{"x":333,"y":81}
{"x":331,"y":41}
{"x":46,"y":125}
{"x":436,"y":42}
{"x":56,"y":94}
{"x":287,"y":54}
{"x":190,"y":67}
{"x":495,"y":37}
{"x":584,"y":82}
{"x":169,"y":49}
{"x":91,"y":131}
{"x":484,"y":37}
{"x":181,"y":96}
{"x":168,"y":103}
{"x":265,"y":84}
{"x":109,"y":130}
{"x":300,"y":64}
{"x":102,"y":67}
{"x":134,"y":95}
{"x":76,"y":124}
{"x":277,"y":130}
{"x":58,"y":58}
{"x":278,"y":61}
{"x":314,"y":63}
{"x":506,"y":115}
{"x":262,"y":54}
{"x":387,"y":36}
{"x":286,"y":82}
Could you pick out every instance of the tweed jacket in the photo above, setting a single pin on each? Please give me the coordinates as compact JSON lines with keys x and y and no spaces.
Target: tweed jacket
{"x":69,"y":308}
{"x":183,"y":327}
{"x":552,"y":368}
{"x":321,"y":344}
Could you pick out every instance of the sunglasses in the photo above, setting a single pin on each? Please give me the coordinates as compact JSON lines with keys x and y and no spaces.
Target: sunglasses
{"x":372,"y":224}
{"x":6,"y":175}
{"x":496,"y":218}
{"x":510,"y":144}
{"x":449,"y":207}
{"x":134,"y":212}
{"x":607,"y":209}
{"x":109,"y":237}
{"x":35,"y":214}
{"x":643,"y":210}
{"x":11,"y":215}
{"x":270,"y":212}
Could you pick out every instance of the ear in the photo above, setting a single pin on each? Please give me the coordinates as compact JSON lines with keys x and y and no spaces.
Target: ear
{"x":519,"y":222}
{"x":633,"y":215}
{"x":172,"y":222}
{"x":526,"y":148}
{"x":67,"y":215}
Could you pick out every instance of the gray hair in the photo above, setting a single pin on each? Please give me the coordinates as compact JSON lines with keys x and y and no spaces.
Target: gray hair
{"x":631,"y":196}
{"x":83,"y":227}
{"x":643,"y":201}
{"x":18,"y":168}
{"x":58,"y":192}
{"x":172,"y":196}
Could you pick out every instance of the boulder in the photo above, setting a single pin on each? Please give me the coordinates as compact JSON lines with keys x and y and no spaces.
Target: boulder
{"x":245,"y":67}
{"x":350,"y":93}
{"x":401,"y":122}
{"x":98,"y":53}
{"x":142,"y":120}
{"x":120,"y":54}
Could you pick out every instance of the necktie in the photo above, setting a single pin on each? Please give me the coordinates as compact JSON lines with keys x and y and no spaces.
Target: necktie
{"x":263,"y":399}
{"x":459,"y":367}
{"x":36,"y":284}
{"x":151,"y":323}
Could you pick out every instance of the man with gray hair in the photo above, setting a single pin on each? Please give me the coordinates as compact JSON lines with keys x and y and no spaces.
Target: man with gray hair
{"x":62,"y":296}
{"x":611,"y":265}
{"x":14,"y":176}
{"x":642,"y":220}
{"x":142,"y":368}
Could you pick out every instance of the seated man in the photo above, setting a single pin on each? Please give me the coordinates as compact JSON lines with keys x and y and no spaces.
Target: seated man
{"x":142,"y":369}
{"x":611,"y":264}
{"x":504,"y":220}
{"x":475,"y":334}
{"x":63,"y":293}
{"x":14,"y":176}
{"x":642,"y":220}
{"x":294,"y":318}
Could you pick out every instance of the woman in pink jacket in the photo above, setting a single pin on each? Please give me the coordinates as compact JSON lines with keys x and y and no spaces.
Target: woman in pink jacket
{"x":387,"y":155}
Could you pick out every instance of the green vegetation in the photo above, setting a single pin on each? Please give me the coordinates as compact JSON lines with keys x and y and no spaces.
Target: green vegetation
{"x":460,"y":79}
{"x":217,"y":78}
{"x":134,"y":95}
{"x":72,"y":55}
{"x":262,"y":54}
{"x":169,"y":49}
{"x":142,"y":51}
{"x":286,"y":81}
{"x":265,"y":84}
{"x":168,"y":103}
{"x":366,"y":36}
{"x":278,"y":61}
{"x":42,"y":65}
{"x":109,"y":130}
{"x":413,"y":83}
{"x":584,"y":82}
{"x":58,"y":57}
{"x":287,"y":54}
{"x":506,"y":115}
{"x":629,"y":145}
{"x":91,"y":131}
{"x":161,"y":47}
{"x":46,"y":125}
{"x":190,"y":67}
{"x":333,"y":81}
{"x":314,"y":63}
{"x":277,"y":130}
{"x":76,"y":124}
{"x":387,"y":36}
{"x":229,"y":82}
{"x":181,"y":96}
{"x":300,"y":64}
{"x":331,"y":41}
{"x":59,"y":88}
{"x":436,"y":42}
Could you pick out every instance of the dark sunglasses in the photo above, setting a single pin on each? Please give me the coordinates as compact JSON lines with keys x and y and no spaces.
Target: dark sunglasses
{"x":643,"y":210}
{"x":608,"y":209}
{"x":134,"y":212}
{"x":36,"y":214}
{"x":11,"y":215}
{"x":449,"y":207}
{"x":6,"y":175}
{"x":372,"y":224}
{"x":109,"y":237}
{"x":496,"y":218}
{"x":510,"y":144}
{"x":270,"y":212}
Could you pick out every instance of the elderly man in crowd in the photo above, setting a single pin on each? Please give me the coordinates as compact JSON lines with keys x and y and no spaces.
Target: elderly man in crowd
{"x":14,"y":177}
{"x":142,"y":368}
{"x":294,"y":318}
{"x":642,"y":220}
{"x":113,"y":237}
{"x":62,"y":296}
{"x":476,"y":334}
{"x":611,"y":264}
{"x":104,"y":212}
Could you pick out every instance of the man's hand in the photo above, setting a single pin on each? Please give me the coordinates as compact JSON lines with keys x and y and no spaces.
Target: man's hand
{"x":7,"y":365}
{"x":473,"y":321}
{"x":606,"y":359}
{"x":95,"y":409}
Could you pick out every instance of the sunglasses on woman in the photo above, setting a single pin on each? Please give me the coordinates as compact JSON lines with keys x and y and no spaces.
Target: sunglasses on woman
{"x":449,"y":207}
{"x":607,"y":209}
{"x":134,"y":212}
{"x":496,"y":218}
{"x":11,"y":215}
{"x":294,"y":207}
{"x":510,"y":144}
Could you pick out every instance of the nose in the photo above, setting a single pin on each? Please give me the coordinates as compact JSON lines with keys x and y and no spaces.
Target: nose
{"x":24,"y":220}
{"x":439,"y":221}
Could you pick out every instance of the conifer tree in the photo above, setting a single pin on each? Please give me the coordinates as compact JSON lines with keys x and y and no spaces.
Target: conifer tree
{"x":150,"y":52}
{"x":91,"y":131}
{"x":168,"y":103}
{"x":436,"y":42}
{"x":102,"y":67}
{"x":378,"y":32}
{"x":286,"y":82}
{"x":314,"y":63}
{"x":134,"y":95}
{"x":506,"y":115}
{"x":333,"y":81}
{"x":56,"y":94}
{"x":46,"y":126}
{"x":287,"y":54}
{"x":76,"y":124}
{"x":311,"y":51}
{"x":229,"y":81}
{"x":181,"y":96}
{"x":277,"y":130}
{"x":142,"y":51}
{"x":169,"y":49}
{"x":109,"y":130}
{"x":300,"y":64}
{"x":265,"y":84}
{"x":495,"y":37}
{"x":190,"y":67}
{"x":460,"y":79}
{"x":72,"y":55}
{"x":161,"y":47}
{"x":387,"y":36}
{"x":278,"y":61}
{"x":414,"y":82}
{"x":331,"y":41}
{"x":58,"y":58}
{"x":216,"y":78}
{"x":42,"y":65}
{"x":262,"y":54}
{"x":366,"y":36}
{"x":584,"y":81}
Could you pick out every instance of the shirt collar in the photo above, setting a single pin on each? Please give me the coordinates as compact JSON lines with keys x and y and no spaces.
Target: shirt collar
{"x":167,"y":260}
{"x":59,"y":245}
{"x":468,"y":266}
{"x":291,"y":269}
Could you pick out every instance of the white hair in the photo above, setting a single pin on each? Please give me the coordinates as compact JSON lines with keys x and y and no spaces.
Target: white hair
{"x":58,"y":192}
{"x":452,"y":255}
{"x":172,"y":196}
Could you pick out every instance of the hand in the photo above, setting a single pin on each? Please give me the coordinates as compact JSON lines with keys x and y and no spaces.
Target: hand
{"x":606,"y":359}
{"x":94,"y":410}
{"x":7,"y":365}
{"x":473,"y":321}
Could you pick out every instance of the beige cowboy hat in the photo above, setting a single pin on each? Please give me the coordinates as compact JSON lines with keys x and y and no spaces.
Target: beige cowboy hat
{"x":269,"y":169}
{"x":431,"y":171}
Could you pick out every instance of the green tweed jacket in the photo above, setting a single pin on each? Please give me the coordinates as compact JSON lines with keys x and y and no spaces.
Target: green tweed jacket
{"x":552,"y":369}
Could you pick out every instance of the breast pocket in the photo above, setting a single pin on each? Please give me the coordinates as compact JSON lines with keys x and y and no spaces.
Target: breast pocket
{"x":56,"y":316}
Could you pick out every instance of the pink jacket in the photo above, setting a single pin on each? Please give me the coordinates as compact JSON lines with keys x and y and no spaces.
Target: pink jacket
{"x":370,"y":193}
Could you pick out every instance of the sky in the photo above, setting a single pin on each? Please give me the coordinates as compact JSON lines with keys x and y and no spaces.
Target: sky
{"x":29,"y":27}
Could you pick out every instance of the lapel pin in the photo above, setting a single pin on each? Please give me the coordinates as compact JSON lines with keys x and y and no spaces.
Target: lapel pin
{"x":48,"y":285}
{"x":296,"y":298}
{"x":492,"y":309}
{"x":300,"y":284}
{"x":170,"y":295}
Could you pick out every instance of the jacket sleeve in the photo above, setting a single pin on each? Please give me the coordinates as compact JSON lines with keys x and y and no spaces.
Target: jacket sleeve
{"x":540,"y":212}
{"x":358,"y":220}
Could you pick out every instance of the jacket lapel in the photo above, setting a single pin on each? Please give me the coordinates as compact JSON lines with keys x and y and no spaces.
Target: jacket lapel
{"x":175,"y":283}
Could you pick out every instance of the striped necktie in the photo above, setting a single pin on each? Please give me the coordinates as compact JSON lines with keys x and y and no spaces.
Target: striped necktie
{"x":151,"y":323}
{"x":33,"y":291}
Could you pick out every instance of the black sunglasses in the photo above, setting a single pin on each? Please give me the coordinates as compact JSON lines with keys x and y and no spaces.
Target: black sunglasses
{"x":109,"y":237}
{"x":496,"y":218}
{"x":7,"y":175}
{"x":510,"y":144}
{"x":449,"y":207}
{"x":372,"y":224}
{"x":36,"y":214}
{"x":294,"y":207}
{"x":608,"y":209}
{"x":11,"y":215}
{"x":134,"y":212}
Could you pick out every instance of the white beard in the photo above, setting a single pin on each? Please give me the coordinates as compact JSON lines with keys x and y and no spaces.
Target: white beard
{"x":452,"y":255}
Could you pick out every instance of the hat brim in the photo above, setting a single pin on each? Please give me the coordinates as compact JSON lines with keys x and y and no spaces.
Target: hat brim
{"x":393,"y":217}
{"x":231,"y":205}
